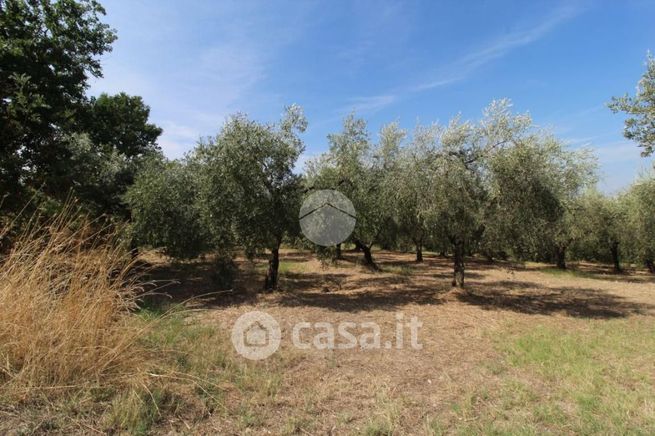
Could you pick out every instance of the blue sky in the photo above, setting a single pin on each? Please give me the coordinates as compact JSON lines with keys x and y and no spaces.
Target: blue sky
{"x":196,"y":62}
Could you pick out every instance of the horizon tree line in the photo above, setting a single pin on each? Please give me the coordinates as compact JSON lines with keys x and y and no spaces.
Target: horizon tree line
{"x":498,"y":187}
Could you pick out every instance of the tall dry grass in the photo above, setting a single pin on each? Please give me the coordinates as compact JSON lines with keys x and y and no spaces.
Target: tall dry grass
{"x":66,"y":292}
{"x":77,"y":354}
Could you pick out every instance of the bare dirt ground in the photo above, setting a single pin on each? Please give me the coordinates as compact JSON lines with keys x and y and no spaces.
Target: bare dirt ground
{"x":403,"y":391}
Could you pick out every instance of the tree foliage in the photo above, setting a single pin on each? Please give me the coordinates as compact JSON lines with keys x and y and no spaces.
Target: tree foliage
{"x":165,"y":210}
{"x":120,"y":123}
{"x":640,"y":212}
{"x":602,"y":228}
{"x":360,"y":170}
{"x":249,"y":167}
{"x":640,"y":124}
{"x":48,"y":50}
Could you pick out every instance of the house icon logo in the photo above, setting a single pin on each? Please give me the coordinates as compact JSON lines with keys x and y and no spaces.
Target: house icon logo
{"x":327,"y":217}
{"x":256,"y":335}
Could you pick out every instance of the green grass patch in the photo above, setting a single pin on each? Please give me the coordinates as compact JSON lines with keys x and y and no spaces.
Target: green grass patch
{"x":196,"y":366}
{"x":378,"y":428}
{"x":285,"y":267}
{"x":401,"y":270}
{"x":567,"y":273}
{"x":599,"y":378}
{"x":574,"y":273}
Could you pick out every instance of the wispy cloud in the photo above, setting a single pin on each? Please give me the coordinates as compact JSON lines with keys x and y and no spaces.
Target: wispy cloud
{"x":369,"y":104}
{"x":618,"y":151}
{"x":468,"y":64}
{"x":465,"y":66}
{"x":214,"y":65}
{"x":178,"y":138}
{"x":621,"y":164}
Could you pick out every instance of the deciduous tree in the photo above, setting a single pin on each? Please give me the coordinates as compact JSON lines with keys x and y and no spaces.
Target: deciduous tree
{"x":48,"y":50}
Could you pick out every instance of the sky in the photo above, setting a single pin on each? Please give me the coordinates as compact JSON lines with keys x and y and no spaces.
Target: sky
{"x":197,"y":62}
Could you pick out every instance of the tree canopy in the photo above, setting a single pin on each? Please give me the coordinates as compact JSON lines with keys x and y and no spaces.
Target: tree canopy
{"x":48,"y":51}
{"x":640,"y":124}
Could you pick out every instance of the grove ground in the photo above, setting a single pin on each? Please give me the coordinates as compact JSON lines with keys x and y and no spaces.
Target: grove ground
{"x":524,"y":349}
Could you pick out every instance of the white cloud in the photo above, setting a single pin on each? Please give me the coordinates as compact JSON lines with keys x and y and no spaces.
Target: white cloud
{"x":196,"y":64}
{"x":362,"y":105}
{"x":617,"y":152}
{"x":302,"y":161}
{"x":466,"y":65}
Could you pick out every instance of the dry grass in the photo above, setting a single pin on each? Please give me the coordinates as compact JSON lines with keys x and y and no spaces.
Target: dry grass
{"x":521,"y":351}
{"x":66,"y":295}
{"x":78,"y":355}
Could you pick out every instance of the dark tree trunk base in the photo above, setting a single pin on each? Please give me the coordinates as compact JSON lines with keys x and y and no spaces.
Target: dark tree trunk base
{"x":561,"y":258}
{"x":419,"y":254}
{"x":458,"y":264}
{"x":651,"y":266}
{"x":338,"y":252}
{"x":368,"y":256}
{"x":615,"y":258}
{"x":270,"y":283}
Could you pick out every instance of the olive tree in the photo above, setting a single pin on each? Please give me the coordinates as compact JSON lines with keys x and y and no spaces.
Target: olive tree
{"x":407,"y":184}
{"x":454,"y":201}
{"x":248,"y":176}
{"x":356,"y":168}
{"x":164,"y":207}
{"x":573,"y":173}
{"x":498,"y":184}
{"x":457,"y":198}
{"x":639,"y":202}
{"x":535,"y":185}
{"x":640,"y":124}
{"x":602,"y":221}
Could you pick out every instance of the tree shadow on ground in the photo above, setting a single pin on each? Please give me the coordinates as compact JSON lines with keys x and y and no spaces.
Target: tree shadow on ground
{"x":380,"y":299}
{"x":432,"y":265}
{"x":355,"y":291}
{"x":533,"y":298}
{"x":189,"y":283}
{"x":599,"y":272}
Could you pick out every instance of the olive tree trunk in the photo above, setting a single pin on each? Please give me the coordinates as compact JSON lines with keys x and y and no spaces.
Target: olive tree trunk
{"x":273,"y":267}
{"x":419,"y":252}
{"x":458,"y":265}
{"x":368,"y":256}
{"x":561,"y":257}
{"x":338,"y":251}
{"x":650,"y":265}
{"x":614,"y":249}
